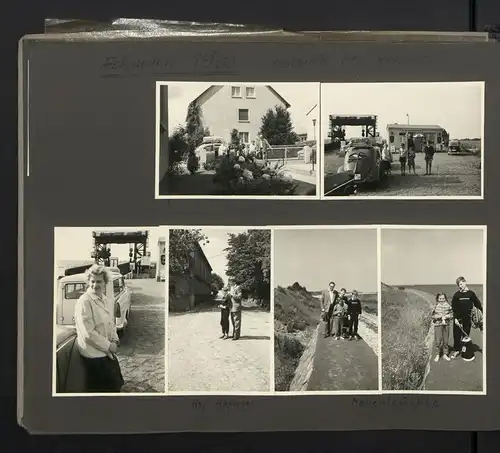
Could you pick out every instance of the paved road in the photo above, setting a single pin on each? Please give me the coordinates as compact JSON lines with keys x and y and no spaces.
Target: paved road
{"x":341,"y":365}
{"x":200,"y":361}
{"x":452,"y":176}
{"x":142,"y":349}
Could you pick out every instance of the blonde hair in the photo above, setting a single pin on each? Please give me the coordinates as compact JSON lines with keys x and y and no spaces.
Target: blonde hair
{"x":97,"y":270}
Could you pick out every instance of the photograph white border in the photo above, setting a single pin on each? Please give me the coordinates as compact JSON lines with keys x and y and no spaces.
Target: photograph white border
{"x":54,"y":323}
{"x":270,"y":392}
{"x":399,"y":197}
{"x":318,"y":166}
{"x":483,"y":228}
{"x":379,"y":333}
{"x":165,"y":231}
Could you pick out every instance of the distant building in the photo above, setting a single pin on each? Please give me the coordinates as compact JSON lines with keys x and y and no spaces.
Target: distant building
{"x":398,"y":134}
{"x":240,"y":107}
{"x":189,"y":289}
{"x":162,"y":259}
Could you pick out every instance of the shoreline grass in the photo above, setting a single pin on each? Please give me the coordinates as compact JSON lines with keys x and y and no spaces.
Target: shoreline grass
{"x":405,"y":353}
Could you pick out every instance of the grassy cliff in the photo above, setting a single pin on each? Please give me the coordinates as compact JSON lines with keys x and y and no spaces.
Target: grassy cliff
{"x":296,"y":316}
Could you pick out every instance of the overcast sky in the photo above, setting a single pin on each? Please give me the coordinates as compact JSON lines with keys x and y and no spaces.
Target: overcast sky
{"x":75,"y":243}
{"x":432,"y":257}
{"x":457,"y":106}
{"x":313,"y":258}
{"x":214,"y":250}
{"x":301,"y":96}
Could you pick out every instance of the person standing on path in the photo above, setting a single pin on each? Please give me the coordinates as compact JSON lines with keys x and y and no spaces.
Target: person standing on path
{"x":354,"y":310}
{"x":403,"y":155}
{"x":463,"y":303}
{"x":236,"y":299}
{"x":225,"y":306}
{"x":429,"y":155}
{"x":328,"y":300}
{"x":411,"y":160}
{"x":339,"y":314}
{"x":442,"y":316}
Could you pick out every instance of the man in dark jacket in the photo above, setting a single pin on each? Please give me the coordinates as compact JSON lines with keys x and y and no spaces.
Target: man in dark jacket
{"x":429,"y":155}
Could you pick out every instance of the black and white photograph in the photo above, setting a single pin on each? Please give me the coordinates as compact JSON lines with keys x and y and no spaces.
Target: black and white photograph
{"x":433,"y":317}
{"x":326,"y":322}
{"x":403,"y":140}
{"x":109,"y":311}
{"x":219,"y":322}
{"x":237,"y":139}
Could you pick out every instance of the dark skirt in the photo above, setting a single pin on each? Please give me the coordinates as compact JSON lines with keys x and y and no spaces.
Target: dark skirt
{"x":103,"y":375}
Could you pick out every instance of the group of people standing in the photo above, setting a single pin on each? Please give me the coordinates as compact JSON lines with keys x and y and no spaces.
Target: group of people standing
{"x":407,"y":157}
{"x":340,"y":313}
{"x":230,"y":308}
{"x":464,"y":312}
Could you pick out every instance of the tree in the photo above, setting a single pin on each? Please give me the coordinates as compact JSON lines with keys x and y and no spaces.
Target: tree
{"x":235,"y":138}
{"x":216,"y":283}
{"x":177,"y":146}
{"x":182,"y":243}
{"x":249,"y":263}
{"x":277,"y":127}
{"x":194,"y":129}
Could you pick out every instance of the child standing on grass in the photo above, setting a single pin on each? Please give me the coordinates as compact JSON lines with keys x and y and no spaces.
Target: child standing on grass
{"x":442,"y":317}
{"x":224,"y":306}
{"x":338,"y":315}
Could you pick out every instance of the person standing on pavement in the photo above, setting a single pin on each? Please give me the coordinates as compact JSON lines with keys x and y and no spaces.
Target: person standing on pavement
{"x":328,"y":300}
{"x":236,"y":306}
{"x":463,"y":303}
{"x":354,"y":310}
{"x":442,"y":317}
{"x":403,"y":155}
{"x":97,"y":340}
{"x":429,"y":156}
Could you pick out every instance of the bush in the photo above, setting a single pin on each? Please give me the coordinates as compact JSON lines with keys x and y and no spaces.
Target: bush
{"x":246,"y":175}
{"x":210,"y":166}
{"x":288,"y":351}
{"x":405,"y":322}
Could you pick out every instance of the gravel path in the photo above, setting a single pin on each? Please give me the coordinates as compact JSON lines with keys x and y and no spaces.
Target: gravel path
{"x":452,"y":176}
{"x":200,"y":361}
{"x":368,"y":330}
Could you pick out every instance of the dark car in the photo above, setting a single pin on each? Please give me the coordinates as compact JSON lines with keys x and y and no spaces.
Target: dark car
{"x":70,"y":374}
{"x":364,"y":162}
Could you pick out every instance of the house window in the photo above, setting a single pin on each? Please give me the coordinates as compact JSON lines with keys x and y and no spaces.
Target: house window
{"x":236,"y":92}
{"x":243,"y":116}
{"x":250,"y":92}
{"x":244,"y":137}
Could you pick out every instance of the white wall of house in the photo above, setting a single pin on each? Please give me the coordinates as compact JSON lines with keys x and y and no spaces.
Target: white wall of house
{"x":163,"y":145}
{"x":227,"y":110}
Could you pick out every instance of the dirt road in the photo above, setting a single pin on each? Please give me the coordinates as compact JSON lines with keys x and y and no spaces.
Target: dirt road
{"x":452,"y":176}
{"x":142,"y":349}
{"x":344,"y":365}
{"x":200,"y":361}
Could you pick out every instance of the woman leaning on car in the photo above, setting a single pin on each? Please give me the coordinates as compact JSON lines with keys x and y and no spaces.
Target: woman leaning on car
{"x":97,"y":338}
